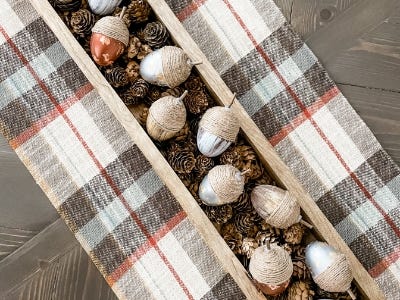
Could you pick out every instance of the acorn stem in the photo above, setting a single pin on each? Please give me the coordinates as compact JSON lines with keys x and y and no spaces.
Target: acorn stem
{"x":245,"y":172}
{"x":305,"y":223}
{"x":122,"y":12}
{"x":351,"y":294}
{"x":195,"y":63}
{"x":233,"y":100}
{"x":183,"y":95}
{"x":268,"y":243}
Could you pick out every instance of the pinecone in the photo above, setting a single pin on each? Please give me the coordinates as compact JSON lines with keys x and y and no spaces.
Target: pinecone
{"x":203,"y":165}
{"x":248,"y":246}
{"x":337,"y":296}
{"x":175,"y":92}
{"x":194,"y":83}
{"x":117,"y":77}
{"x":196,"y":102}
{"x":143,"y":51}
{"x":249,"y":161}
{"x":183,"y":133}
{"x":243,"y":204}
{"x":82,"y":22}
{"x":245,"y":224}
{"x":134,"y":46}
{"x":139,"y":88}
{"x":232,"y":237}
{"x":300,"y":270}
{"x":294,"y":234}
{"x":193,"y":188}
{"x":138,"y":11}
{"x":66,"y":5}
{"x":262,"y":236}
{"x":140,"y":112}
{"x":154,"y":94}
{"x":265,"y":179}
{"x":300,"y":290}
{"x":269,"y":229}
{"x":155,"y":34}
{"x":132,"y":70}
{"x":181,"y":160}
{"x":230,"y":157}
{"x":219,"y":214}
{"x":194,"y":124}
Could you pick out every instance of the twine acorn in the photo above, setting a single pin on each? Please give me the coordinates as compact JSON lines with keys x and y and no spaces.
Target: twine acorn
{"x":166,"y":118}
{"x":222,"y":122}
{"x":113,"y":27}
{"x":276,"y":206}
{"x":271,"y":266}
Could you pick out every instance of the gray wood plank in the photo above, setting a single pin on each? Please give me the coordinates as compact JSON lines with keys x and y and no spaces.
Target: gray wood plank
{"x":11,"y":239}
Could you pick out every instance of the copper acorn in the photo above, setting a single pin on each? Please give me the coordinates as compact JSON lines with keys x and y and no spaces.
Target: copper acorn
{"x":168,"y":66}
{"x":271,"y":268}
{"x":223,"y":184}
{"x":276,"y":206}
{"x":109,"y":38}
{"x":166,"y":118}
{"x":218,"y":129}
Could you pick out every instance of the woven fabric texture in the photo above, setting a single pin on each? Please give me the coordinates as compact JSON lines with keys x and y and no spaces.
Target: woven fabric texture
{"x":99,"y":181}
{"x":289,"y":95}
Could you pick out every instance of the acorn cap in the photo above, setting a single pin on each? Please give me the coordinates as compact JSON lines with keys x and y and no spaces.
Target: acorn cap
{"x":176,"y":65}
{"x":271,"y":266}
{"x":222,"y":122}
{"x":113,"y":27}
{"x":227,"y":182}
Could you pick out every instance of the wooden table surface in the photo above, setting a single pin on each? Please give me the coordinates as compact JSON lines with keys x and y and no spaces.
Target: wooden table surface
{"x":358,"y":41}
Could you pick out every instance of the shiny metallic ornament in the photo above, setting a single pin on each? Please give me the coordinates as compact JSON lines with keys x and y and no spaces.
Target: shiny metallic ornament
{"x":223,"y":184}
{"x":167,"y":116}
{"x":102,"y":7}
{"x":276,"y":206}
{"x":168,"y":66}
{"x":329,"y":268}
{"x":218,"y":129}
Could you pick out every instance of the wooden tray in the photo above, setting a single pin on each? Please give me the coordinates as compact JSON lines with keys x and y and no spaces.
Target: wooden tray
{"x":270,"y":159}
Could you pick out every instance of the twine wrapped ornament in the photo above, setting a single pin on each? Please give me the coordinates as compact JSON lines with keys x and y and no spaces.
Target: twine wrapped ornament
{"x":276,"y":206}
{"x":329,"y":268}
{"x":218,"y":129}
{"x":109,"y":38}
{"x":271,"y":268}
{"x":168,"y":66}
{"x":167,"y":116}
{"x":223,"y":184}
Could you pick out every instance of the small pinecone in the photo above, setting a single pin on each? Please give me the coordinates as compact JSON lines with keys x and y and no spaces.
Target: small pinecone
{"x":132,"y":70}
{"x":243,"y":204}
{"x":139,"y":88}
{"x":66,"y":5}
{"x":271,"y":229}
{"x":175,"y":92}
{"x":300,"y":290}
{"x":248,"y":246}
{"x":219,"y":214}
{"x":143,"y":51}
{"x":337,"y":296}
{"x":232,"y":237}
{"x":117,"y":77}
{"x":82,"y":22}
{"x":140,"y":112}
{"x":203,"y":165}
{"x":134,"y":46}
{"x":183,"y":133}
{"x":196,"y":102}
{"x":155,"y":34}
{"x":181,"y":160}
{"x":249,"y":161}
{"x":194,"y":124}
{"x":230,"y":157}
{"x":265,"y":179}
{"x":138,"y":11}
{"x":193,"y":188}
{"x":154,"y":94}
{"x":263,"y":236}
{"x":245,"y":224}
{"x":194,"y":83}
{"x":294,"y":234}
{"x":300,"y":270}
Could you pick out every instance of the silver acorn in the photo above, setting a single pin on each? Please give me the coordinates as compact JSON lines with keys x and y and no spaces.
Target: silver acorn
{"x":168,"y":66}
{"x":223,"y":184}
{"x":218,"y":129}
{"x":329,"y":268}
{"x":167,"y":116}
{"x":101,"y":7}
{"x":276,"y":206}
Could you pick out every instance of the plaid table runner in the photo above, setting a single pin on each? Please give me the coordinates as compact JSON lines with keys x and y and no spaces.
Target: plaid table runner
{"x":61,"y":129}
{"x":317,"y":133}
{"x":99,"y":181}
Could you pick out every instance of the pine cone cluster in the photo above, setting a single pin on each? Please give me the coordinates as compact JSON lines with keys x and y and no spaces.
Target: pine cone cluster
{"x":155,"y":34}
{"x":133,"y":47}
{"x":194,"y":83}
{"x":232,"y":237}
{"x":294,"y":234}
{"x":219,"y":214}
{"x":140,"y":112}
{"x":203,"y":165}
{"x":138,"y":11}
{"x":181,"y":160}
{"x":300,"y":290}
{"x":117,"y":77}
{"x":196,"y":102}
{"x":82,"y":22}
{"x":300,"y":270}
{"x":132,"y":70}
{"x":245,"y":224}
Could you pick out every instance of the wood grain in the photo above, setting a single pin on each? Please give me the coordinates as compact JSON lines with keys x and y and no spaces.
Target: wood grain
{"x":11,"y":239}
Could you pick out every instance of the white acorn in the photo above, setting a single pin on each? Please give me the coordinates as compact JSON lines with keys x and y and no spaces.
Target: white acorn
{"x":168,"y":66}
{"x":218,"y":129}
{"x":101,"y":7}
{"x":329,"y":268}
{"x":223,"y":184}
{"x":167,"y":116}
{"x":276,"y":206}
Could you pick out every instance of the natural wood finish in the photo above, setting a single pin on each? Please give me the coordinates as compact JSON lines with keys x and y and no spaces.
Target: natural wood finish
{"x":11,"y":239}
{"x":228,"y":260}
